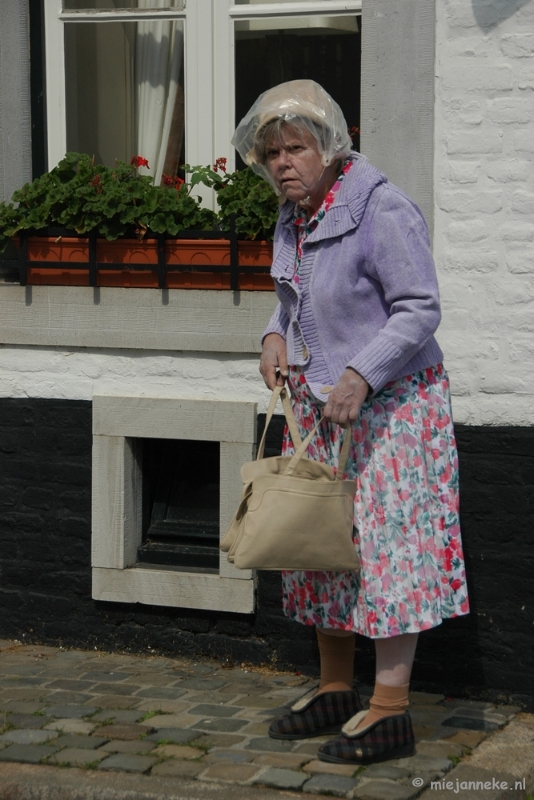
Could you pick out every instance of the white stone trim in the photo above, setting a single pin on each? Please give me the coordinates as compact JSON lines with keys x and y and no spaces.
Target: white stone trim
{"x":116,"y":499}
{"x":163,"y":587}
{"x":146,"y":319}
{"x":397,"y":108}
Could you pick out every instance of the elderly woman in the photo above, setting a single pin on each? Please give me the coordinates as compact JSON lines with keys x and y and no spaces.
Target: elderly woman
{"x":353,"y":338}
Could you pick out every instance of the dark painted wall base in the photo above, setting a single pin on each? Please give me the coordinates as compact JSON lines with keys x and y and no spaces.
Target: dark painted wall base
{"x":45,"y":580}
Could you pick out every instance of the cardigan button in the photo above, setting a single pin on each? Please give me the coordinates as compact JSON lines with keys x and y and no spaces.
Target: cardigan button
{"x":305,"y":352}
{"x":326,"y":389}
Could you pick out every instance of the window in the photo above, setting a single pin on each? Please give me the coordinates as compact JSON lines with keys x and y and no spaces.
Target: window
{"x":121,"y":426}
{"x":166,"y":79}
{"x":124,"y":92}
{"x":321,"y":48}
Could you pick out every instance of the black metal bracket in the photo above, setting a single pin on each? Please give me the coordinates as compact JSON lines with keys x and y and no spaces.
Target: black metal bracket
{"x":23,"y":257}
{"x":162,"y":262}
{"x":162,"y":267}
{"x":93,"y":267}
{"x":234,"y":257}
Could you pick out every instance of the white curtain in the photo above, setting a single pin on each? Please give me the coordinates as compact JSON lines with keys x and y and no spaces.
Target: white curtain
{"x":158,"y":64}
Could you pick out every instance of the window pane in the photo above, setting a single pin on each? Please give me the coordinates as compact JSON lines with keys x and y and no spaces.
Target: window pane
{"x":124,"y":92}
{"x":114,"y":5}
{"x":323,"y":49}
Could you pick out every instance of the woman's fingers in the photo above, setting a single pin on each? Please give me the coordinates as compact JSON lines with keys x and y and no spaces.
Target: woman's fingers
{"x":340,"y":414}
{"x":270,"y":376}
{"x":282,"y":365}
{"x":268,"y":371}
{"x":346,"y":399}
{"x":273,"y":362}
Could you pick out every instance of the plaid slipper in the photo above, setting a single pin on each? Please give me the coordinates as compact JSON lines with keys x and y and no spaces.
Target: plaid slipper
{"x":391,"y":737}
{"x":316,"y":715}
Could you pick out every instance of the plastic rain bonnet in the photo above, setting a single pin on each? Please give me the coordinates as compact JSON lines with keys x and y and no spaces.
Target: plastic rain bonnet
{"x":307,"y":104}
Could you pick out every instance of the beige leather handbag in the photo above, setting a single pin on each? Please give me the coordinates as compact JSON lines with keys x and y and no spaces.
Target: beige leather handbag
{"x":294,"y":513}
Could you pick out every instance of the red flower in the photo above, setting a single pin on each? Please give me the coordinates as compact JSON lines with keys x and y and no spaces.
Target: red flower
{"x":456,"y":584}
{"x":97,"y":183}
{"x":169,"y":180}
{"x":139,"y":161}
{"x":220,"y":164}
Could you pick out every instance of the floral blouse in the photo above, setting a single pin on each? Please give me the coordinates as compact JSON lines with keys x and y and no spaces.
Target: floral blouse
{"x":307,"y":226}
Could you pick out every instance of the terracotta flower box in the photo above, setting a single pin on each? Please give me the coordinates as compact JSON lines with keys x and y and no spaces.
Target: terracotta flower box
{"x":199,"y":254}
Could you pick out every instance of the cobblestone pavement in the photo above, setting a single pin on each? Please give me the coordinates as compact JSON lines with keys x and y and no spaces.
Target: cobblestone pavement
{"x":195,"y":720}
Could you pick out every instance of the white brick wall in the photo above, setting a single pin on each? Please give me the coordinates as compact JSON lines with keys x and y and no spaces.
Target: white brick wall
{"x":483,"y":242}
{"x":484,"y":205}
{"x":80,"y":373}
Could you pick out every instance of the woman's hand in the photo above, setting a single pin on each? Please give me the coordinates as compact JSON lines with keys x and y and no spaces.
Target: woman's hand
{"x":346,"y":398}
{"x":273,"y":361}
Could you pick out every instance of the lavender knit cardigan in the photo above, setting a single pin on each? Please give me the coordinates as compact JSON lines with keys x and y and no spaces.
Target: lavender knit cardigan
{"x":368,"y":295}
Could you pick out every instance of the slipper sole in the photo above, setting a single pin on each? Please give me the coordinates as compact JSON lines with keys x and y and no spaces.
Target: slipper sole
{"x":399,"y":752}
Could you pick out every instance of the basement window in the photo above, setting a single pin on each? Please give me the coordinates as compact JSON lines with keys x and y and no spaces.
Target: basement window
{"x":181,"y":488}
{"x":166,"y":482}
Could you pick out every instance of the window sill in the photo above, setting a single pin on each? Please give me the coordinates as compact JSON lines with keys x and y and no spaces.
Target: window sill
{"x":158,"y":586}
{"x":154,"y":319}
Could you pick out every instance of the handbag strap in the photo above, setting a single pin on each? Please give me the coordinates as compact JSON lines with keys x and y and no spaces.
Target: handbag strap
{"x":280,"y":392}
{"x":299,"y":444}
{"x":343,"y":455}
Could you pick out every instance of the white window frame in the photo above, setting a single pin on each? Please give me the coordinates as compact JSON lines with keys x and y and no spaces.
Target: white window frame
{"x":117,"y":499}
{"x":209,"y":70}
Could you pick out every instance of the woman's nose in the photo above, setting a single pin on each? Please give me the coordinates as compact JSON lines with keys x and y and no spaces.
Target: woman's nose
{"x":284,"y":159}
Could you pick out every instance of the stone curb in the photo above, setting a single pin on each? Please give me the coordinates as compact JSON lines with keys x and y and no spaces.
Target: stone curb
{"x":28,"y":782}
{"x":508,"y":754}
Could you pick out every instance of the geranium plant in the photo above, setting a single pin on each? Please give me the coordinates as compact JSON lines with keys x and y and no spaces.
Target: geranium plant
{"x":117,"y":201}
{"x":114,"y":201}
{"x":242,"y":195}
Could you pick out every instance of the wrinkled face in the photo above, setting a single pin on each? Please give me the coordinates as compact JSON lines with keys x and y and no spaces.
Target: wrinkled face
{"x":294,"y":162}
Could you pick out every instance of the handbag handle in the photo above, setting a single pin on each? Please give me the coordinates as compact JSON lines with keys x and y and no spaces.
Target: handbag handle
{"x":280,"y":392}
{"x":343,"y":455}
{"x":299,"y":445}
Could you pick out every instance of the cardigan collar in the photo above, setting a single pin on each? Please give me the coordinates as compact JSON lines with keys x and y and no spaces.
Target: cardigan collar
{"x":349,"y":205}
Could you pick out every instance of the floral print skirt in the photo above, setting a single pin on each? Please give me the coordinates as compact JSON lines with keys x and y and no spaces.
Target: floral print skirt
{"x":407,"y":533}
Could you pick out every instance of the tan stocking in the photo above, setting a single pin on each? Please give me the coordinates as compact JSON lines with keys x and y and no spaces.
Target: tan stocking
{"x":337,"y":660}
{"x":387,"y":701}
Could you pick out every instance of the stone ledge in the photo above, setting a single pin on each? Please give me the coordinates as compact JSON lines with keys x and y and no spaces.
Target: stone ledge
{"x":175,"y":319}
